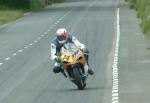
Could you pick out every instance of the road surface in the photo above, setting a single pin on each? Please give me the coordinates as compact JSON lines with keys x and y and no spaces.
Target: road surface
{"x":26,"y":71}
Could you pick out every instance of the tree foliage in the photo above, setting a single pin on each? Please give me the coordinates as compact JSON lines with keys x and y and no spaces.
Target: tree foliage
{"x":143,"y":12}
{"x":16,"y":3}
{"x":26,"y":3}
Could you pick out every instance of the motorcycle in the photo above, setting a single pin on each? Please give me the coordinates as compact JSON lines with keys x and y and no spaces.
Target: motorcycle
{"x":74,"y":64}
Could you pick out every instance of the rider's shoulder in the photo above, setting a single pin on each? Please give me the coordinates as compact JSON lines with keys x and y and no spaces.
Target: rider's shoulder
{"x":70,"y":36}
{"x":54,"y":41}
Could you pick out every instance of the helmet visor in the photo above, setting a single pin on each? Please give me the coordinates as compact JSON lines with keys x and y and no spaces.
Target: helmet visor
{"x":61,"y":38}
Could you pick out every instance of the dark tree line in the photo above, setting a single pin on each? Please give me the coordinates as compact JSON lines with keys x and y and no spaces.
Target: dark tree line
{"x":16,"y":3}
{"x":26,"y":3}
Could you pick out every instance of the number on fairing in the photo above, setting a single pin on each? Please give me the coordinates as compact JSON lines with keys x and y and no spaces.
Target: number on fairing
{"x":66,"y":58}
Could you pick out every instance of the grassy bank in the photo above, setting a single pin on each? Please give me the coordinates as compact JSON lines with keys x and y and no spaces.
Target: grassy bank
{"x":143,"y":12}
{"x":12,"y":11}
{"x":10,"y":15}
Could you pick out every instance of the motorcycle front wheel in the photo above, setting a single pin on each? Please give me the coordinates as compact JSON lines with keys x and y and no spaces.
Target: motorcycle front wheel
{"x":78,"y":79}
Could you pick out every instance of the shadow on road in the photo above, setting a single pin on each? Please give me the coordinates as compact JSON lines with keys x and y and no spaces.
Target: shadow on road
{"x":86,"y":89}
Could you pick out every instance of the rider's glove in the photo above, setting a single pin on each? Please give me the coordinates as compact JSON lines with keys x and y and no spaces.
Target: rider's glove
{"x":57,"y":59}
{"x":85,"y":51}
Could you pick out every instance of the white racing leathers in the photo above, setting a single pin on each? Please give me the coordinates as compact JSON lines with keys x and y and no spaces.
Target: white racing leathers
{"x":56,"y":47}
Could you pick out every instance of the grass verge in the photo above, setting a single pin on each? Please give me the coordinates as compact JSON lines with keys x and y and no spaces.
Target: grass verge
{"x":143,"y":12}
{"x":14,"y":12}
{"x":10,"y":15}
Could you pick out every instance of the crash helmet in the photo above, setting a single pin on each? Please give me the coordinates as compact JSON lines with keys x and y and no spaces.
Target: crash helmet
{"x":62,"y":35}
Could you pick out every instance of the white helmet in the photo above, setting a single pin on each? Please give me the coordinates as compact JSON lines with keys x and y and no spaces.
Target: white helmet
{"x":62,"y":35}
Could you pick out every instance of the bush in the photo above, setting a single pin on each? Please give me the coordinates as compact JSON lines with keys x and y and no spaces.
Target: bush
{"x":36,"y":4}
{"x":16,"y":3}
{"x":9,"y":15}
{"x":56,"y":1}
{"x":23,"y":4}
{"x":143,"y":12}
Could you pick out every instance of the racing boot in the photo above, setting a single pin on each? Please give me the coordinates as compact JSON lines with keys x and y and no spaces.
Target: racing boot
{"x":90,"y":71}
{"x":87,"y":68}
{"x":86,"y":54}
{"x":57,"y":69}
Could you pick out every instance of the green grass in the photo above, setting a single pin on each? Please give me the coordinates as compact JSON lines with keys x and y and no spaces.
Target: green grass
{"x":10,"y":15}
{"x":143,"y":11}
{"x":37,"y":5}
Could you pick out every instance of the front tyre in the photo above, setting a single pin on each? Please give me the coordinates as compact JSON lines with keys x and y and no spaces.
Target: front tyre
{"x":78,"y":79}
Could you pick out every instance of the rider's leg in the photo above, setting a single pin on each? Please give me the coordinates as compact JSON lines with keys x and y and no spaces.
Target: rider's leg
{"x":86,"y":54}
{"x":89,"y":70}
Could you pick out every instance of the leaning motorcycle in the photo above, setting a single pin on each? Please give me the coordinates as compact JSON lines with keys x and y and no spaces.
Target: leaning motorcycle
{"x":74,"y":64}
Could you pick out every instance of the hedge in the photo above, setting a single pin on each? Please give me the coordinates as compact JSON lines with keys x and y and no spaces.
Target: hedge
{"x":143,"y":12}
{"x":25,"y":4}
{"x":16,"y":3}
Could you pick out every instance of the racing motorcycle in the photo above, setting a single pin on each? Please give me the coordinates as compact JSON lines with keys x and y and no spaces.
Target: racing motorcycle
{"x":74,"y":64}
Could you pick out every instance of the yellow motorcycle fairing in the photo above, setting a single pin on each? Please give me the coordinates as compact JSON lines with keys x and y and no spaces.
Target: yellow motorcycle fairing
{"x":68,"y":59}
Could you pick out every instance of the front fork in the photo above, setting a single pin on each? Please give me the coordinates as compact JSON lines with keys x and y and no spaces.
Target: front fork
{"x":66,"y":73}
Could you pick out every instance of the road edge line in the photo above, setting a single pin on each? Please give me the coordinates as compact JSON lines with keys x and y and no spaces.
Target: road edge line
{"x":115,"y":87}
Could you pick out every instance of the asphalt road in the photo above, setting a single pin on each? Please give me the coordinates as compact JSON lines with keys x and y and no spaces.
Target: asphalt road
{"x":25,"y":68}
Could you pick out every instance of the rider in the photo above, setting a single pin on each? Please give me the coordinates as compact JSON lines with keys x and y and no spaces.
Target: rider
{"x":62,"y":37}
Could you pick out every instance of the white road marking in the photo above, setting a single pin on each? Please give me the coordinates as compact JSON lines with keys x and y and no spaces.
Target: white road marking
{"x":39,"y":38}
{"x":6,"y":59}
{"x":66,"y":14}
{"x":1,"y":64}
{"x":58,"y":21}
{"x":26,"y":47}
{"x":45,"y":33}
{"x":63,"y":17}
{"x":115,"y":88}
{"x":35,"y":41}
{"x":50,"y":27}
{"x":69,"y":12}
{"x":14,"y":54}
{"x":48,"y":30}
{"x":42,"y":35}
{"x":30,"y":44}
{"x":20,"y":50}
